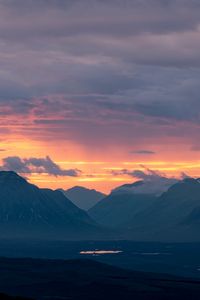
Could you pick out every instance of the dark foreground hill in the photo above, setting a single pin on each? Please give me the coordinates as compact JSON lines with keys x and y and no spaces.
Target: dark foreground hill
{"x":27,"y":211}
{"x":85,"y":279}
{"x":8,"y":297}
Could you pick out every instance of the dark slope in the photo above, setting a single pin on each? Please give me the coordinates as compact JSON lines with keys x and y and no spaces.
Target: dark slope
{"x":26,"y":210}
{"x":82,"y":197}
{"x":117,"y":209}
{"x":174,"y":216}
{"x":85,"y":279}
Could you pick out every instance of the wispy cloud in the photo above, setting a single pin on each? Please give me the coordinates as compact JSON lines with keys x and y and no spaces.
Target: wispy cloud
{"x":142,"y":152}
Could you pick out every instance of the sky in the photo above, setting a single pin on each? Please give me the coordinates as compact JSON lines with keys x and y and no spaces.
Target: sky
{"x":93,"y":90}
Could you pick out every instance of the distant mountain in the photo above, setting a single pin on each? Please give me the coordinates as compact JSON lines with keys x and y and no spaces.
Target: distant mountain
{"x":82,"y":197}
{"x":172,"y":216}
{"x":120,"y":207}
{"x":128,"y":200}
{"x":27,"y":211}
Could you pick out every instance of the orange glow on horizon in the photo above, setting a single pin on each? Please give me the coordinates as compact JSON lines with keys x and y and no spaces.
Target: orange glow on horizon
{"x":101,"y":178}
{"x":96,"y":166}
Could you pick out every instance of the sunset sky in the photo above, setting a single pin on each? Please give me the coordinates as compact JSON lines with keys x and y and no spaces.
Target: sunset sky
{"x":92,"y":90}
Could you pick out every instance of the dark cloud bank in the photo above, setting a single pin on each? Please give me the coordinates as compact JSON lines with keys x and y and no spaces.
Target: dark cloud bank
{"x":109,"y":68}
{"x":36,"y":165}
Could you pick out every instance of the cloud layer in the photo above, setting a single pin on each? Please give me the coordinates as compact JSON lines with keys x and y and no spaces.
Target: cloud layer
{"x":122,"y":74}
{"x":36,"y":165}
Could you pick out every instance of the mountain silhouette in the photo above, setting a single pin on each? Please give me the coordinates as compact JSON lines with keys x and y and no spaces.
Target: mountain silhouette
{"x":82,"y":197}
{"x":172,"y":216}
{"x":119,"y":208}
{"x":28,"y":211}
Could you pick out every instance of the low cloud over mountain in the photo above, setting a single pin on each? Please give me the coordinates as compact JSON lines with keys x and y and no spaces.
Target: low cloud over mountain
{"x":152,"y":182}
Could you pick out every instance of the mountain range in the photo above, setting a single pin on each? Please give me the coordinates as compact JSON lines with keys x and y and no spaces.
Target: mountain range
{"x":82,"y":197}
{"x":31,"y":212}
{"x":118,"y":208}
